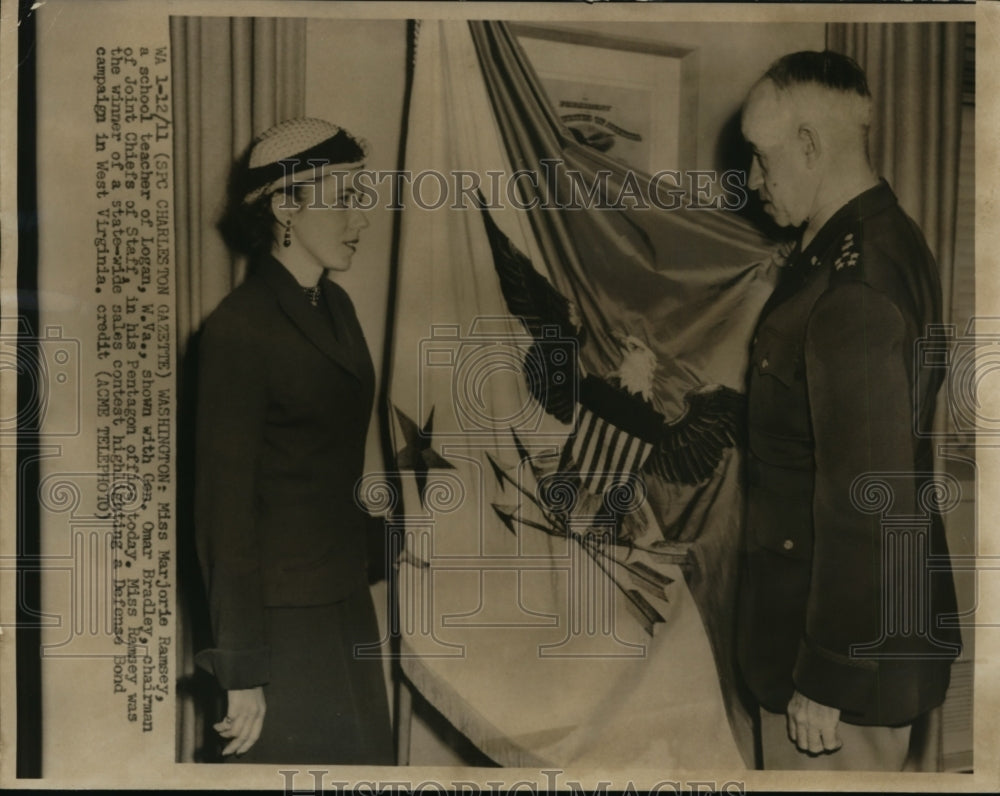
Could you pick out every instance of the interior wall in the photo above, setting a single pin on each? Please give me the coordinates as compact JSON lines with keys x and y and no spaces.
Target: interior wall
{"x":730,"y":58}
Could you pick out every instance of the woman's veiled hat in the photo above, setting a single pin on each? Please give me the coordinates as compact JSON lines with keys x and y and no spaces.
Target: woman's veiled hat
{"x":297,"y":151}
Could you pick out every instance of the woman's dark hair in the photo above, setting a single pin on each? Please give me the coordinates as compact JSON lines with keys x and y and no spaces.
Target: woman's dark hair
{"x":246,"y":226}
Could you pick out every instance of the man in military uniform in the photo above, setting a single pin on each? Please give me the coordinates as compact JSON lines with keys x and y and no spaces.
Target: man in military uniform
{"x":839,"y":631}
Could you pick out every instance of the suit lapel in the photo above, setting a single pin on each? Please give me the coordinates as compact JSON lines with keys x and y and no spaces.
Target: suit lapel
{"x":348,"y":330}
{"x":312,"y":324}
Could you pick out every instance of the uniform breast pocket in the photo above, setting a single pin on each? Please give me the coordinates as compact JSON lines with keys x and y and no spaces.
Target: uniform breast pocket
{"x":778,"y":399}
{"x":777,"y":356}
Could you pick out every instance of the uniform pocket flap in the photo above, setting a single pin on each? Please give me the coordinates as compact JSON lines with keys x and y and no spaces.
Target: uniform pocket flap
{"x":777,"y":356}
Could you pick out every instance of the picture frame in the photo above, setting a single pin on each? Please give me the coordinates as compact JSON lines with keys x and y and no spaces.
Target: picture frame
{"x":634,"y":100}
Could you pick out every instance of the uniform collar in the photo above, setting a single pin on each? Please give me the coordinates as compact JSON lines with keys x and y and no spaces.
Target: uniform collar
{"x":865,"y":204}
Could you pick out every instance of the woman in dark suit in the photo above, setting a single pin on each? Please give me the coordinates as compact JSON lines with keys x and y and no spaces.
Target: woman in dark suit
{"x":285,"y":392}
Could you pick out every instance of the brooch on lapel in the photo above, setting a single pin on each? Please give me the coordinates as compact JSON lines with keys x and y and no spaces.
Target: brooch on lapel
{"x":848,"y":254}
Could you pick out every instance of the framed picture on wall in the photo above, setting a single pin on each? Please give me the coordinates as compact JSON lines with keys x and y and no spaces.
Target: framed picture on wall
{"x":632,"y":99}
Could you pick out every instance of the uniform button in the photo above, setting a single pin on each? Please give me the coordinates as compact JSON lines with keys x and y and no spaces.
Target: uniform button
{"x":788,"y":544}
{"x":764,"y":363}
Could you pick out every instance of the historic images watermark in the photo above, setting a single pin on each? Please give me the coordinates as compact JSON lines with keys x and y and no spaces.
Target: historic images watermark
{"x":967,"y":360}
{"x":49,"y":366}
{"x":484,"y":356}
{"x":108,"y":523}
{"x":554,"y":187}
{"x":312,"y":782}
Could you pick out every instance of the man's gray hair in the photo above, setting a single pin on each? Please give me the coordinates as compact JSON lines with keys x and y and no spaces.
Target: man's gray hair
{"x":827,"y":70}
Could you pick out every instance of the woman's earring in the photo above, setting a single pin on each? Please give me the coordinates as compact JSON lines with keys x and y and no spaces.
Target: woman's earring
{"x":288,"y":234}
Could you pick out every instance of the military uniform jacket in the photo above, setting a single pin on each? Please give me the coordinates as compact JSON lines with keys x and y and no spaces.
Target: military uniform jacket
{"x":284,"y":398}
{"x":834,"y":602}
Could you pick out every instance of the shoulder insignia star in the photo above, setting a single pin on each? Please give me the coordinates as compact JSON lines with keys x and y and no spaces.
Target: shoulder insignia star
{"x":849,"y":255}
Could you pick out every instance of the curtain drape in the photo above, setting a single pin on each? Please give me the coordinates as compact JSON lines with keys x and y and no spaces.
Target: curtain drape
{"x":488,"y":646}
{"x":915,"y":75}
{"x":232,"y":79}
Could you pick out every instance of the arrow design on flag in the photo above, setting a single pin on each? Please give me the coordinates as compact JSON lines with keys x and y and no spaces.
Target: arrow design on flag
{"x":417,"y":454}
{"x":618,"y":432}
{"x":590,"y":533}
{"x":642,"y":575}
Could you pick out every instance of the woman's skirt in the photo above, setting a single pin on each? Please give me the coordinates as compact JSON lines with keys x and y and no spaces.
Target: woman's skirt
{"x":326,"y":702}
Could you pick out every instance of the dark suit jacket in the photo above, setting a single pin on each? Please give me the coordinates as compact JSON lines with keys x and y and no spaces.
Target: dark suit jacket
{"x":836,"y":392}
{"x":284,"y":398}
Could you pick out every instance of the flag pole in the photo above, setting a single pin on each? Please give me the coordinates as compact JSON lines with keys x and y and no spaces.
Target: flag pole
{"x":402,"y":702}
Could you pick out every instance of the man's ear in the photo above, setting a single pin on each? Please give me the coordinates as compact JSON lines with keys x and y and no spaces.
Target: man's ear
{"x":810,"y":144}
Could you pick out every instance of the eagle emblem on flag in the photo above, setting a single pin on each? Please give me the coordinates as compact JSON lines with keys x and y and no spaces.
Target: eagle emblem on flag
{"x":617,"y":433}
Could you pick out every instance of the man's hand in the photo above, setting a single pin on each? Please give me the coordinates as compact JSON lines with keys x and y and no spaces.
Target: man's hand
{"x":811,"y":726}
{"x":243,"y":721}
